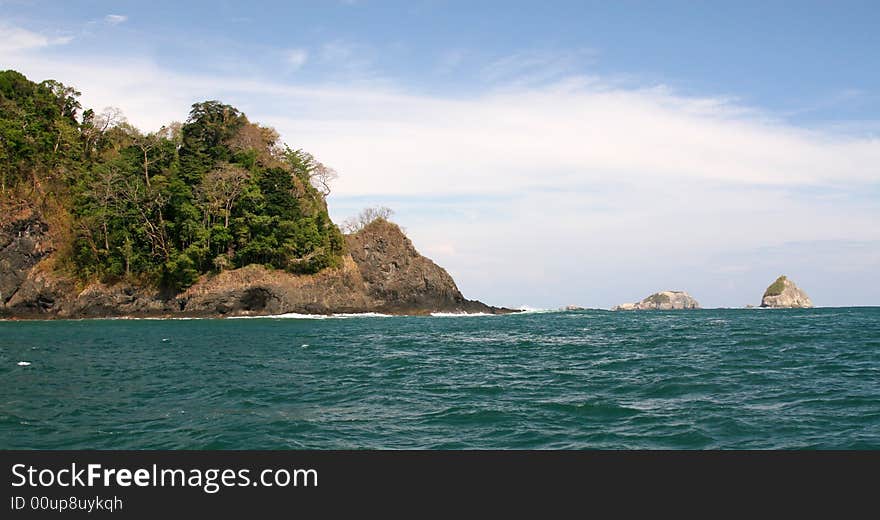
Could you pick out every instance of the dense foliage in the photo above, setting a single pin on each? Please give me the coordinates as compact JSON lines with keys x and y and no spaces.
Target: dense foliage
{"x":213,"y":193}
{"x":776,"y":287}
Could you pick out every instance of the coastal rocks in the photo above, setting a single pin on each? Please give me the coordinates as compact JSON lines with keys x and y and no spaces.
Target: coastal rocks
{"x":39,"y":293}
{"x":256,"y":290}
{"x":98,"y":300}
{"x":399,"y":279}
{"x":783,"y":293}
{"x":382,"y":273}
{"x":663,"y":301}
{"x":23,"y":243}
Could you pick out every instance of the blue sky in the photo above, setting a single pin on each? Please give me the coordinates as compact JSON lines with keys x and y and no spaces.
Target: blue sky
{"x":546,"y":153}
{"x":810,"y":61}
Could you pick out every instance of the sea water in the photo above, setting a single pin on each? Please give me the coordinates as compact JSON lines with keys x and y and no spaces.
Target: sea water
{"x":588,"y":379}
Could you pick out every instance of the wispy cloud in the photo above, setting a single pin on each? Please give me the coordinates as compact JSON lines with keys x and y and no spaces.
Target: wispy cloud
{"x":115,"y":19}
{"x":296,"y":58}
{"x":344,"y":58}
{"x":16,"y":39}
{"x":450,"y":60}
{"x":536,"y":66}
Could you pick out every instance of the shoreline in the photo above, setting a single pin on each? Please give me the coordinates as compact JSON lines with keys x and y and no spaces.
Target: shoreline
{"x":500,"y":311}
{"x":497,"y":311}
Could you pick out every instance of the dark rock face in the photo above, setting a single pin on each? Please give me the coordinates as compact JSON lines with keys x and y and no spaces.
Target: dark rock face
{"x":383,"y":273}
{"x":23,"y":243}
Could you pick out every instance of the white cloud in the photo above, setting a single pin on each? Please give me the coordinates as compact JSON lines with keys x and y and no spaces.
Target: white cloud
{"x":570,"y":133}
{"x":115,"y":19}
{"x":450,"y":60}
{"x":16,"y":39}
{"x":343,"y":58}
{"x":296,"y":58}
{"x":581,"y":191}
{"x":538,"y":66}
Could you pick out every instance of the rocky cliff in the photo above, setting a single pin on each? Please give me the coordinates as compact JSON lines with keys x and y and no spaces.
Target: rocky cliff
{"x":783,"y":293}
{"x":397,"y":278}
{"x":663,"y":301}
{"x":382,"y":272}
{"x":24,"y":242}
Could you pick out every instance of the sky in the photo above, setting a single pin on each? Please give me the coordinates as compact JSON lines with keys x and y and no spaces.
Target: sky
{"x":545,"y":153}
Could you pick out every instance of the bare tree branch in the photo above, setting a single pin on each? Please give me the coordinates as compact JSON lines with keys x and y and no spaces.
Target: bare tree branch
{"x":366,"y":217}
{"x":220,"y":189}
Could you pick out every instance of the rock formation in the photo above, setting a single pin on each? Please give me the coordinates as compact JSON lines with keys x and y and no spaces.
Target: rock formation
{"x":783,"y":293}
{"x":663,"y":301}
{"x":22,"y":246}
{"x":382,"y":272}
{"x":397,"y":278}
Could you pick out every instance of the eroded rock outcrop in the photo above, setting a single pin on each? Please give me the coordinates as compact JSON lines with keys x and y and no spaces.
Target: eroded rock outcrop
{"x":784,"y":294}
{"x":382,"y":272}
{"x":663,"y":301}
{"x":398,"y":278}
{"x":23,"y":243}
{"x":256,"y":290}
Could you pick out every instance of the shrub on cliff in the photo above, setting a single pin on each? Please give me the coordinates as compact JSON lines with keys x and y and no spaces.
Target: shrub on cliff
{"x":776,"y":287}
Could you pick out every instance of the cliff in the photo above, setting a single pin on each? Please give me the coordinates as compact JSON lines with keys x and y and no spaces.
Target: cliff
{"x":381,"y":271}
{"x":23,"y":243}
{"x":783,"y":293}
{"x":664,"y":301}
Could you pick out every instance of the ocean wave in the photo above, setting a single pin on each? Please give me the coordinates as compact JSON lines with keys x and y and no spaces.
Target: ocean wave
{"x":541,"y":381}
{"x":459,"y":314}
{"x":146,"y":318}
{"x":300,"y":316}
{"x":525,"y":309}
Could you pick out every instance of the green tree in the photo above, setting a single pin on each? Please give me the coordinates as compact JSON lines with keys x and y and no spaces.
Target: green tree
{"x":213,"y":193}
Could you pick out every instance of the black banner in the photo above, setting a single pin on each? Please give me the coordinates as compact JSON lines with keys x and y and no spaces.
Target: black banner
{"x":244,"y":483}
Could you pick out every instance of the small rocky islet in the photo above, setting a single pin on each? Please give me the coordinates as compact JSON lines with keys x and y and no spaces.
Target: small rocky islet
{"x":662,"y":301}
{"x":785,"y":294}
{"x":781,"y":294}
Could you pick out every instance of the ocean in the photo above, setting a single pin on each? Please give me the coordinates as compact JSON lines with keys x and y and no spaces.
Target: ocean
{"x":704,"y":379}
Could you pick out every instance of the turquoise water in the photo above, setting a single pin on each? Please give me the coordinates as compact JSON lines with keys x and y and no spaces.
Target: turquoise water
{"x":591,"y":379}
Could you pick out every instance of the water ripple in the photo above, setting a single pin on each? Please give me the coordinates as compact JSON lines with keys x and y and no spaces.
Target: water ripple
{"x":592,"y":379}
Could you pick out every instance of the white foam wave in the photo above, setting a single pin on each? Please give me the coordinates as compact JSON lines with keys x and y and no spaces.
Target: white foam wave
{"x":363,"y":315}
{"x":300,"y":316}
{"x":525,"y":309}
{"x":459,"y":314}
{"x":145,"y":318}
{"x":23,"y":364}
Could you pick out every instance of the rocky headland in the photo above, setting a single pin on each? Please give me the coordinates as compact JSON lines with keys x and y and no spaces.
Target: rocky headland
{"x":785,"y":294}
{"x":381,"y":271}
{"x":212,"y":216}
{"x":662,"y":301}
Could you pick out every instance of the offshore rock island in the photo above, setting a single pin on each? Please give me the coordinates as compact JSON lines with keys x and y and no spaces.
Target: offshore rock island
{"x":211,"y":217}
{"x":662,"y":301}
{"x":784,"y":294}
